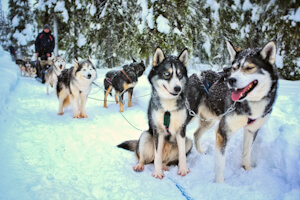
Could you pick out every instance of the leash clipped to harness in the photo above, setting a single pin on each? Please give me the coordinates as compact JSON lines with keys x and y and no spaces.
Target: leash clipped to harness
{"x":167,"y":118}
{"x":193,"y":114}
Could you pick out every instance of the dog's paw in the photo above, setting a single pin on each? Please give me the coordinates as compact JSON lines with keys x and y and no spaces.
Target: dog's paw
{"x":158,"y":174}
{"x":138,"y":168}
{"x":182,"y":171}
{"x":60,"y":113}
{"x":247,"y":167}
{"x":83,"y":116}
{"x":219,"y":179}
{"x":164,"y":167}
{"x":76,"y":116}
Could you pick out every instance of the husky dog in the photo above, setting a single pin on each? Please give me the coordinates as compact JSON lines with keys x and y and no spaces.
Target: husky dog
{"x":54,"y":71}
{"x":165,"y":142}
{"x":25,"y":66}
{"x":250,"y":87}
{"x":74,"y":85}
{"x":122,"y":81}
{"x":31,"y":70}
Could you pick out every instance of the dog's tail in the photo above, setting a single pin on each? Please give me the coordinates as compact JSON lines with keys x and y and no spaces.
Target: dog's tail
{"x":66,"y":102}
{"x":129,"y":145}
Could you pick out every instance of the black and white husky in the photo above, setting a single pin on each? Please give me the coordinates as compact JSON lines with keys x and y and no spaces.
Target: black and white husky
{"x":74,"y":85}
{"x":165,"y":142}
{"x":241,"y":99}
{"x":54,"y":71}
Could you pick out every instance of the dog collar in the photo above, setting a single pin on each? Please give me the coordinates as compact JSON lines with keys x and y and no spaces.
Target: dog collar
{"x":167,"y":118}
{"x":126,"y":76}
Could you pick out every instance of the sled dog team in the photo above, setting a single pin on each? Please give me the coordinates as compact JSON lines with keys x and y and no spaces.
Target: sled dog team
{"x":241,"y":96}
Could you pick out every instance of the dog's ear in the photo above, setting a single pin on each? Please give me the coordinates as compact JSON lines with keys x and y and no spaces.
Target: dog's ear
{"x":233,"y":50}
{"x":183,"y":57}
{"x":89,"y":59}
{"x":133,"y":59}
{"x":268,"y":52}
{"x":158,"y":57}
{"x":75,"y":64}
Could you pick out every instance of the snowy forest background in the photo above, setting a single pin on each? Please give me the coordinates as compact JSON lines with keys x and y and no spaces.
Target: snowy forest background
{"x":113,"y":31}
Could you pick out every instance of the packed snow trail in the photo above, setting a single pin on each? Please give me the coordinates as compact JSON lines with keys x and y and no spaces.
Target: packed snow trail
{"x":45,"y":156}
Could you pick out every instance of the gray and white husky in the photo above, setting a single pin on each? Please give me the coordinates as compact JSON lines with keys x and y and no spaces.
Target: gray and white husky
{"x":74,"y":85}
{"x":54,"y":71}
{"x":250,"y":86}
{"x":165,"y":142}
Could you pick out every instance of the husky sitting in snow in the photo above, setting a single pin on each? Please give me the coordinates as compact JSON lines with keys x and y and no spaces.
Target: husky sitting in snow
{"x":165,"y":142}
{"x":74,"y":85}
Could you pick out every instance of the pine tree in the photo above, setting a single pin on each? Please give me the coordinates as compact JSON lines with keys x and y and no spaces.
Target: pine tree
{"x":4,"y":29}
{"x":22,"y":30}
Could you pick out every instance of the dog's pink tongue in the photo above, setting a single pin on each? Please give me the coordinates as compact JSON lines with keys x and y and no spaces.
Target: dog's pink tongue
{"x":236,"y":95}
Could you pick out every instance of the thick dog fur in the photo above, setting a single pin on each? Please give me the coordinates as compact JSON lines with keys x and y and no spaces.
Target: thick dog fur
{"x":74,"y":85}
{"x":54,"y":71}
{"x":26,"y":66}
{"x":252,"y":84}
{"x":161,"y":144}
{"x":122,"y":81}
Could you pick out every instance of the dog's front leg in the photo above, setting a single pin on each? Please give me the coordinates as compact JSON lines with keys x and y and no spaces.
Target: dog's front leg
{"x":158,"y":144}
{"x":227,"y":126}
{"x":250,"y":133}
{"x":121,"y":103}
{"x":83,"y":98}
{"x":130,"y":91}
{"x":182,"y":166}
{"x":75,"y":105}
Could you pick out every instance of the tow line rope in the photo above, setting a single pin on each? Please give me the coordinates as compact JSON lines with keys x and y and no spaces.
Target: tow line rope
{"x":122,"y":101}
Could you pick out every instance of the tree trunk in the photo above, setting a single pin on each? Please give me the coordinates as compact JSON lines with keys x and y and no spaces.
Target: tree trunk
{"x":55,"y":35}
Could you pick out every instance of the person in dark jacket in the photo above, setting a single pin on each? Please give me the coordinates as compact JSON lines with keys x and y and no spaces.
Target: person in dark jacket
{"x":44,"y":43}
{"x":44,"y":46}
{"x":12,"y":51}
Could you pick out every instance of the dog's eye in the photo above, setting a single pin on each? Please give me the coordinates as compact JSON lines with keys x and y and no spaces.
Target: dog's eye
{"x":249,"y":68}
{"x":179,"y":74}
{"x":167,"y":74}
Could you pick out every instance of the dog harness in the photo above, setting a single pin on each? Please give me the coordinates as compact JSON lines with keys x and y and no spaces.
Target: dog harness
{"x":126,"y":76}
{"x":167,"y":119}
{"x":206,"y":90}
{"x":108,"y":80}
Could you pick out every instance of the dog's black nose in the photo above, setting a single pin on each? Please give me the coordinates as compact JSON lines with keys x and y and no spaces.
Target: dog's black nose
{"x":232,"y":81}
{"x":177,"y":88}
{"x":89,"y":76}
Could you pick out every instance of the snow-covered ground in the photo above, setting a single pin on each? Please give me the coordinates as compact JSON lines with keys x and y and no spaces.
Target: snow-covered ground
{"x":44,"y":156}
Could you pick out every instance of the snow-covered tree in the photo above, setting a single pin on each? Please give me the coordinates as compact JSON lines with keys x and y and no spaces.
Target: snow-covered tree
{"x":22,"y":31}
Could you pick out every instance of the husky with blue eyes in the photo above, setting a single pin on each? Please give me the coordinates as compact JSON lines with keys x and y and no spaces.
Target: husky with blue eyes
{"x":240,"y":97}
{"x":165,"y":142}
{"x":74,"y":85}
